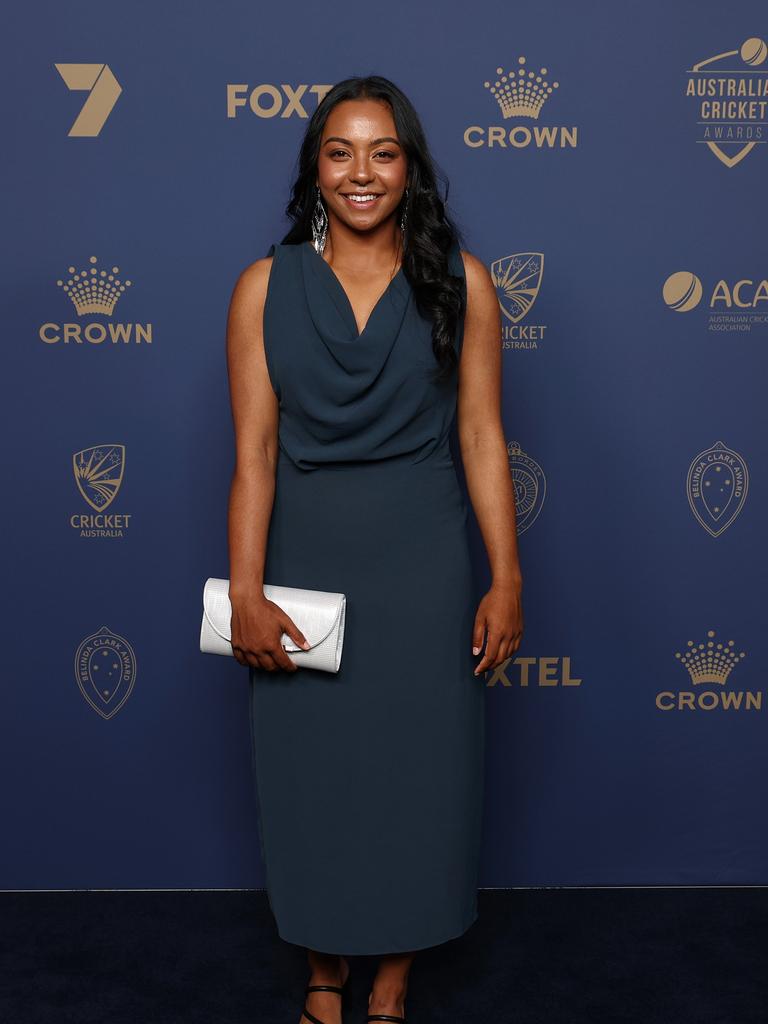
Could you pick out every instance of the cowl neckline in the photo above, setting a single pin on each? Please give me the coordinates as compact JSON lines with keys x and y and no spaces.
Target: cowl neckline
{"x":335,"y":321}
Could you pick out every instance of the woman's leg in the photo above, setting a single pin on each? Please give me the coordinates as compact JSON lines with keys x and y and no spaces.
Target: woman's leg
{"x":326,"y":969}
{"x":391,"y":984}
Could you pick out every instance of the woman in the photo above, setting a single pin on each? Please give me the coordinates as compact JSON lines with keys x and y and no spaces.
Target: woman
{"x":352,"y":347}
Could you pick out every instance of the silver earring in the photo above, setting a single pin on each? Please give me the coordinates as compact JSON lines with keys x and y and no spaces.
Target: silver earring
{"x":404,"y":213}
{"x":319,"y":224}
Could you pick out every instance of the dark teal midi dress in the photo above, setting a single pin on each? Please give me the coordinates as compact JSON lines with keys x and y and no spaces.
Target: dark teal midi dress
{"x":369,"y":782}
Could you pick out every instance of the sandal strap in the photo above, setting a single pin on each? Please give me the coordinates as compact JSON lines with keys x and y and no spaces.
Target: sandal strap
{"x":385,"y":1016}
{"x":324,"y":988}
{"x":312,"y":1017}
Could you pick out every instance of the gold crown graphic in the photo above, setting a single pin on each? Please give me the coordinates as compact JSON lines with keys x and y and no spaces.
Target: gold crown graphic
{"x":94,"y":291}
{"x":522,"y":93}
{"x":709,"y":662}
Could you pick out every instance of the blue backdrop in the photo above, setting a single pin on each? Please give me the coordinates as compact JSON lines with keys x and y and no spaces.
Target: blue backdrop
{"x":606,"y":162}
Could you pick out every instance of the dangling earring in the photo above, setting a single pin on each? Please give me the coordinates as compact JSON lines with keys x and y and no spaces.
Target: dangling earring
{"x":404,"y":215}
{"x":319,"y":224}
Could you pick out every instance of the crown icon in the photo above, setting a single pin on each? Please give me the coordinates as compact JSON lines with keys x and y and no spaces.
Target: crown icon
{"x":94,"y":291}
{"x":710,"y":662}
{"x":522,"y":93}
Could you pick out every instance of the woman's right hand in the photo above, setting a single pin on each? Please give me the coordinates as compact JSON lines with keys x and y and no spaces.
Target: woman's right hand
{"x":257,"y":628}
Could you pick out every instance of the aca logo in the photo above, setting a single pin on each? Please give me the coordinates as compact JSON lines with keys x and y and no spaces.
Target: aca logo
{"x":521,"y":95}
{"x":529,"y":483}
{"x":517,"y":279}
{"x":709,"y":662}
{"x":716,"y":485}
{"x":103,"y":90}
{"x":729,"y":94}
{"x":105,"y":670}
{"x":98,"y":474}
{"x":730,"y":306}
{"x":274,"y":100}
{"x":95,"y":291}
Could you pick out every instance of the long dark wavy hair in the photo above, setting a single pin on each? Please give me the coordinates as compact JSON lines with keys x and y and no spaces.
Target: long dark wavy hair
{"x":429,"y":231}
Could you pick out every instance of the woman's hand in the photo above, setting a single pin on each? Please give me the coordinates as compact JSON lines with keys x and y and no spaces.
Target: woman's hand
{"x":257,"y":628}
{"x":499,"y":613}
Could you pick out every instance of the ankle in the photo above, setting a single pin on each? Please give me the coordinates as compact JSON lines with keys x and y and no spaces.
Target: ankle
{"x":327,"y":971}
{"x":387,"y":995}
{"x":325,"y":978}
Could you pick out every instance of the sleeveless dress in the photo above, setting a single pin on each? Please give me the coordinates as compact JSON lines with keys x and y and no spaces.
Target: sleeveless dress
{"x":369,"y":781}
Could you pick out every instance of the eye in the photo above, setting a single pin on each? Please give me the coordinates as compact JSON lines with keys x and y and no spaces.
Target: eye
{"x":385,"y":152}
{"x":334,"y":152}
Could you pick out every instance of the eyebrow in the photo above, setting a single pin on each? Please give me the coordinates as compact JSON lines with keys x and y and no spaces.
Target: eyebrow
{"x":376,"y":142}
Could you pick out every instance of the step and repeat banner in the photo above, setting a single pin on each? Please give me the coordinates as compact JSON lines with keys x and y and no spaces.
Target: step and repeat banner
{"x":607,"y":162}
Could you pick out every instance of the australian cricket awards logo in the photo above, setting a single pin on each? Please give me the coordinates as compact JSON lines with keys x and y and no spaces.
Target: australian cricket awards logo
{"x":99,"y":474}
{"x":95,"y":292}
{"x":730,"y":305}
{"x":716,"y":485}
{"x":105,"y":670}
{"x":529,"y":483}
{"x":521,"y":96}
{"x":729,"y":92}
{"x":517,"y":279}
{"x":709,"y":664}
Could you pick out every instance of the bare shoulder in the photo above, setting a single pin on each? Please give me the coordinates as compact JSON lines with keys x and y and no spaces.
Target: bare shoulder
{"x":481,"y":291}
{"x":251,"y":285}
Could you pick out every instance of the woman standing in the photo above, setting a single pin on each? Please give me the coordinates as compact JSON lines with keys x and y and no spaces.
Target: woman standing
{"x":352,"y":347}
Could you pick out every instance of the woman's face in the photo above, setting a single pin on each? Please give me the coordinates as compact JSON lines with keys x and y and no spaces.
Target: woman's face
{"x":360,"y":155}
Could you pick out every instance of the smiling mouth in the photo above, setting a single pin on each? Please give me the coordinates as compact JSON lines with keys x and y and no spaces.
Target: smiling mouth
{"x":361,"y":199}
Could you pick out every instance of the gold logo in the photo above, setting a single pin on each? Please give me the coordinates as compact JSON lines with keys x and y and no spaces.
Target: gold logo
{"x":709,"y":661}
{"x":103,"y":90}
{"x":521,"y":93}
{"x":517,"y":279}
{"x":732,"y":306}
{"x":94,"y":291}
{"x":550,"y":671}
{"x":716,"y":485}
{"x":105,"y":670}
{"x":731,"y":100}
{"x":98,"y":474}
{"x":269,"y":100}
{"x":682,"y":291}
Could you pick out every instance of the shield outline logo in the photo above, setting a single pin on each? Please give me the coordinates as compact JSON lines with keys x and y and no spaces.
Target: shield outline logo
{"x":731,"y":161}
{"x":515,"y":290}
{"x":759,"y":57}
{"x":124,"y":687}
{"x":701,"y":513}
{"x":94,"y":475}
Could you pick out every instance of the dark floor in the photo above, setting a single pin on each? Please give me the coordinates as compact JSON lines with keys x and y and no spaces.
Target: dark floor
{"x":535,"y":956}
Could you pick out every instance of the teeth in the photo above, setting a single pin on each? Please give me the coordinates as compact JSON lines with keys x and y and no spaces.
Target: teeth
{"x":362,"y":199}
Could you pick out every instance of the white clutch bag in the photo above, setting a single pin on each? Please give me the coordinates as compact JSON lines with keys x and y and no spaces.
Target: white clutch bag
{"x":319,"y":614}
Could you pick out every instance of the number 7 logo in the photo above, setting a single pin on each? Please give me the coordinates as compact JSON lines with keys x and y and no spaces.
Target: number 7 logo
{"x":103,"y":90}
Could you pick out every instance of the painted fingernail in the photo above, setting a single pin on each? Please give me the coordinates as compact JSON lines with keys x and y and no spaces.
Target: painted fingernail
{"x":305,"y":645}
{"x":475,"y":650}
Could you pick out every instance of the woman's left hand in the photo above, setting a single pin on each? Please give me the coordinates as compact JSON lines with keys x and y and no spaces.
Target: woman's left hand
{"x":500,"y":615}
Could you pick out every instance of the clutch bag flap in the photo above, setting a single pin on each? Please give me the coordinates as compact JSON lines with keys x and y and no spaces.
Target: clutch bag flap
{"x":315,"y":612}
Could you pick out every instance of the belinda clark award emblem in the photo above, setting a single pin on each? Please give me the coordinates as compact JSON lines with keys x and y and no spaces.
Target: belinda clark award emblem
{"x":105,"y":670}
{"x":716,"y":486}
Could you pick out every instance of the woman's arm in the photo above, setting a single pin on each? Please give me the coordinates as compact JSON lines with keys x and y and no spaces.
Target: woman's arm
{"x":486,"y":467}
{"x":257,"y":624}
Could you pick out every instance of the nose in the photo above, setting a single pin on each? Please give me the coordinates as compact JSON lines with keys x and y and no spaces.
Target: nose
{"x":360,"y":170}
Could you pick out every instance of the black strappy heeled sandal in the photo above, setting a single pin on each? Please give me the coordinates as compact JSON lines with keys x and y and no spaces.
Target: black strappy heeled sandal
{"x":385,"y":1016}
{"x":322,"y":988}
